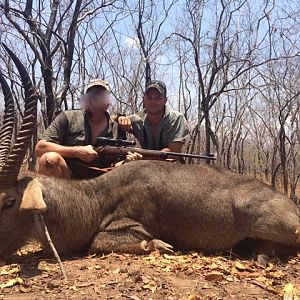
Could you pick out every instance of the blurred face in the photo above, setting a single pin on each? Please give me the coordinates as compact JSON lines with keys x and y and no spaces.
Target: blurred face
{"x":97,"y":99}
{"x":154,"y":102}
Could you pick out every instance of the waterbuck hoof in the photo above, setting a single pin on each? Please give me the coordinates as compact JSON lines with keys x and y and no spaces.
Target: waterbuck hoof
{"x":262,"y":260}
{"x":159,"y":245}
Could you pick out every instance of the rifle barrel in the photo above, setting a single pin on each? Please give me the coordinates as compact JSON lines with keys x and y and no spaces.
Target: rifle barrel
{"x":191,"y":155}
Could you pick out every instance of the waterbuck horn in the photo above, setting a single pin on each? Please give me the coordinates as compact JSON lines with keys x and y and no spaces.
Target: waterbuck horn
{"x":7,"y":128}
{"x":12,"y":164}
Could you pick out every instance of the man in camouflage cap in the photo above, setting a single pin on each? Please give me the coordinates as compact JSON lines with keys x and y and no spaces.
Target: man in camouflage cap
{"x":157,"y":127}
{"x":66,"y":147}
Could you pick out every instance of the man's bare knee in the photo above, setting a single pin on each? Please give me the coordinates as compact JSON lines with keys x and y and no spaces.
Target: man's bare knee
{"x":50,"y":160}
{"x":53,"y":164}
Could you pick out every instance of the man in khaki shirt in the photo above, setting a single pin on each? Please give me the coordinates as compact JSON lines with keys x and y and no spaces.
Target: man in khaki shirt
{"x":66,"y":147}
{"x":157,"y":127}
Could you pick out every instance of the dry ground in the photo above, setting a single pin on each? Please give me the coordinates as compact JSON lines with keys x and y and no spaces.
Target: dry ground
{"x":189,"y":276}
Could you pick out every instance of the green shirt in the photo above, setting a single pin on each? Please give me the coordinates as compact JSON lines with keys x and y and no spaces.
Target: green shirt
{"x":71,"y":128}
{"x":173,"y":127}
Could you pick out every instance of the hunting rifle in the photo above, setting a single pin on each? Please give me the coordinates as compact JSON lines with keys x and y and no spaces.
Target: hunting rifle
{"x":122,"y":147}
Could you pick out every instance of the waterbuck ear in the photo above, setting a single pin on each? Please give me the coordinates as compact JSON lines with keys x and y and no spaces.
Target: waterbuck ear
{"x":33,"y":197}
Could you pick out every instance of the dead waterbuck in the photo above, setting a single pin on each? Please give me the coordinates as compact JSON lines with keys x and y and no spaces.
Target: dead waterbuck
{"x":136,"y":208}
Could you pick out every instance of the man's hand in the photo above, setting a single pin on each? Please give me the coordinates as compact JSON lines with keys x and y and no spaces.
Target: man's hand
{"x":124,"y":123}
{"x":131,"y":156}
{"x":86,"y":153}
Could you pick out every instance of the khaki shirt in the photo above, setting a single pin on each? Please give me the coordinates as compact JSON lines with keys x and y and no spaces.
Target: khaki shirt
{"x":71,"y":128}
{"x":173,"y":127}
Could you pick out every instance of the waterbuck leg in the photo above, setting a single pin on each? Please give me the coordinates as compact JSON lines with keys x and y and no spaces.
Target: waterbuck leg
{"x":126,"y":242}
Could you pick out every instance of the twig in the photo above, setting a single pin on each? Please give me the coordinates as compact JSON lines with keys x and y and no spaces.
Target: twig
{"x":52,"y":246}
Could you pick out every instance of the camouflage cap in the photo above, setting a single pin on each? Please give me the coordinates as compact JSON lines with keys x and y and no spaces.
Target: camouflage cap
{"x":158,"y":85}
{"x":98,"y":82}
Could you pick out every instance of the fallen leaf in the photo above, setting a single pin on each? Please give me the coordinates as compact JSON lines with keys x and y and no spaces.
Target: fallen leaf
{"x":24,"y":289}
{"x":167,"y":256}
{"x":288,"y":291}
{"x":116,"y":271}
{"x":241,"y":275}
{"x":150,"y":286}
{"x":259,"y":283}
{"x":272,"y":290}
{"x":214,"y":276}
{"x":13,"y":269}
{"x":86,"y":284}
{"x":213,"y":266}
{"x":240,"y":266}
{"x":134,"y":297}
{"x":230,"y":279}
{"x":11,"y":283}
{"x":277,"y":275}
{"x":269,"y":267}
{"x":262,"y":279}
{"x":167,"y":269}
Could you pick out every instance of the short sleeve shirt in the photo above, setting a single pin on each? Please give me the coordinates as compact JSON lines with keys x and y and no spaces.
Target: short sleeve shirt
{"x":71,"y":128}
{"x":172,"y":128}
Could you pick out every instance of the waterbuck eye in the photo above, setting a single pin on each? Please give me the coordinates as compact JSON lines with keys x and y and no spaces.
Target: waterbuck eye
{"x":9,"y":203}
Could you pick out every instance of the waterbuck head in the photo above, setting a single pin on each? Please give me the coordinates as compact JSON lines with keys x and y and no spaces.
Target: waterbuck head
{"x":14,"y":220}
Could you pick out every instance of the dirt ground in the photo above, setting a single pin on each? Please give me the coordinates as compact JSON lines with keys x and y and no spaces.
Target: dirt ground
{"x":190,"y":276}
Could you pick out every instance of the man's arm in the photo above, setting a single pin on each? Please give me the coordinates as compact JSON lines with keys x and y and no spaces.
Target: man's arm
{"x":177,"y":133}
{"x":85,"y":153}
{"x":53,"y":140}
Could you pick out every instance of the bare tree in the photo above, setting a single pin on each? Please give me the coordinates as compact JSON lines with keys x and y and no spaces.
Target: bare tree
{"x":50,"y":33}
{"x":148,"y":18}
{"x":230,"y":45}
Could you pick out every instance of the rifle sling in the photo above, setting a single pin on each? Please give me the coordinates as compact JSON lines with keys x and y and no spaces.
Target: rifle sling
{"x":102,"y":170}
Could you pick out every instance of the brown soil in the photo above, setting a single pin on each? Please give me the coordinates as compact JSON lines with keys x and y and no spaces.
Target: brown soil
{"x":189,"y":276}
